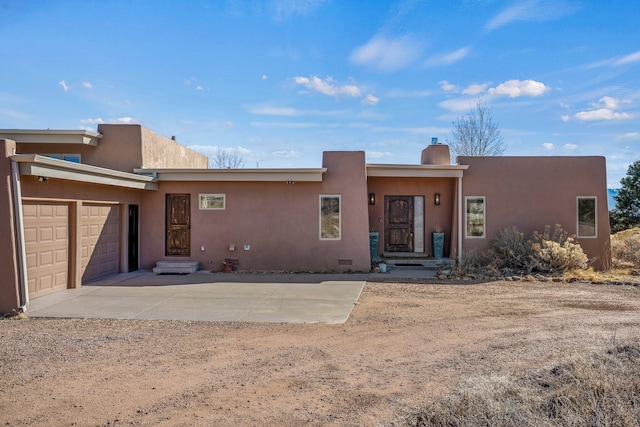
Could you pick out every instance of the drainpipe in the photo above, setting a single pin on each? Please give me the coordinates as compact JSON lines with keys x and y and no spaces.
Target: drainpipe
{"x":19,"y":225}
{"x":460,"y":210}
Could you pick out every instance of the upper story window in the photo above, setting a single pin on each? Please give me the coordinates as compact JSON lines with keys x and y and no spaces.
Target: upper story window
{"x":75,"y":158}
{"x":587,"y":217}
{"x":330,"y":217}
{"x":475,"y":216}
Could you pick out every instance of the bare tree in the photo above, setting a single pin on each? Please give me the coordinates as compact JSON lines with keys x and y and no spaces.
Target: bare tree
{"x":476,"y":134}
{"x":226,"y":159}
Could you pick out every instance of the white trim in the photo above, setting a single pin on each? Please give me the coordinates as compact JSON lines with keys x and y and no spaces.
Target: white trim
{"x":205,"y":195}
{"x":30,"y":136}
{"x":322,"y":196}
{"x":595,"y":219}
{"x":484,"y":217}
{"x":416,"y":171}
{"x":38,"y":165}
{"x":289,"y":176}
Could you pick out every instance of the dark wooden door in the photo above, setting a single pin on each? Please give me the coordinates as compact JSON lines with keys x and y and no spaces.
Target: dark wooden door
{"x":178,"y":224}
{"x":398,"y":223}
{"x":133,"y":237}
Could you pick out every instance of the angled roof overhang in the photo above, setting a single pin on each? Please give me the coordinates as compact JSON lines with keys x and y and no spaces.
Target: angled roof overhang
{"x":416,"y":171}
{"x":32,"y":136}
{"x":37,"y":165}
{"x":242,"y":175}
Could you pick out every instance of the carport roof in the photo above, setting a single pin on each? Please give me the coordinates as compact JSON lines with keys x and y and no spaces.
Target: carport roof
{"x":47,"y":136}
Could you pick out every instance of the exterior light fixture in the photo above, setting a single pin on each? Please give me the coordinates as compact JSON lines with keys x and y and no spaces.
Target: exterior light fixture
{"x":372,"y":198}
{"x":436,"y":199}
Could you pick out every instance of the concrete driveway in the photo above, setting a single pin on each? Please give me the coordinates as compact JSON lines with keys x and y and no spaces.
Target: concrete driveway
{"x":205,"y":296}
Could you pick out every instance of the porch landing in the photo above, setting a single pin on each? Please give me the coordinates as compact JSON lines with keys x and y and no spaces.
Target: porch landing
{"x":414,"y":261}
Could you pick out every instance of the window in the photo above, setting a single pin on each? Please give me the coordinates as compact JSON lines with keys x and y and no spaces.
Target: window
{"x":475,"y":216}
{"x":587,"y":217}
{"x":330,"y":218}
{"x":212,"y":202}
{"x":74,"y":158}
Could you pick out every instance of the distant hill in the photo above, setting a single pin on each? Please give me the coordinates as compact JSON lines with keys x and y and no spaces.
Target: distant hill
{"x":612,"y":192}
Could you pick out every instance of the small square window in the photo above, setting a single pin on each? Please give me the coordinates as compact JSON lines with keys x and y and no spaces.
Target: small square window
{"x":212,"y":202}
{"x":587,"y":217}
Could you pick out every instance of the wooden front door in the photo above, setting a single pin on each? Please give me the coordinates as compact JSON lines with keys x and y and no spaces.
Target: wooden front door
{"x":178,"y":234}
{"x":398,"y":223}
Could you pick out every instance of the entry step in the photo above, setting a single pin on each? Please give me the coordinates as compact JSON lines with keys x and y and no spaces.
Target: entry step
{"x":176,"y":267}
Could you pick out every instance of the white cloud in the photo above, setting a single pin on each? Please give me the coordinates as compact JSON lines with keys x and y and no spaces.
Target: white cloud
{"x":401,"y":93}
{"x":225,"y":125}
{"x":631,"y":58}
{"x":475,"y":89}
{"x":287,"y":154}
{"x":87,"y":85}
{"x":457,"y":105}
{"x":378,"y":154}
{"x":125,"y":120}
{"x":630,"y":136}
{"x":517,"y":88}
{"x":264,"y":77}
{"x":447,"y":58}
{"x":604,"y":109}
{"x":448,"y":87}
{"x":387,"y":54}
{"x":370,"y":100}
{"x":286,"y":125}
{"x":271,"y":110}
{"x":284,"y":9}
{"x":96,"y":121}
{"x":328,"y":86}
{"x":531,"y":10}
{"x":200,"y":88}
{"x":548,"y":146}
{"x":565,"y":118}
{"x":570,"y":146}
{"x":64,"y":86}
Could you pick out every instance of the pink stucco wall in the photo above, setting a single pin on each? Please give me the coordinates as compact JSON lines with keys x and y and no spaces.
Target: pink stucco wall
{"x":531,"y":192}
{"x":279,"y":222}
{"x":441,"y":215}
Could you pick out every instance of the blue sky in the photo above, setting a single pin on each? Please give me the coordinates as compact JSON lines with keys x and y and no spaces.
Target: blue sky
{"x":282,"y":80}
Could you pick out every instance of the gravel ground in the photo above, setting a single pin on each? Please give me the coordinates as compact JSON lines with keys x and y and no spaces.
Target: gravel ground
{"x":404,"y":345}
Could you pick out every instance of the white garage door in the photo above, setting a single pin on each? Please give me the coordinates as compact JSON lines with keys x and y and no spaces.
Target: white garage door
{"x":100,"y":254}
{"x":46,"y":233}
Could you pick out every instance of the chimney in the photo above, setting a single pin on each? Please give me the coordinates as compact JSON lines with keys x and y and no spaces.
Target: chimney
{"x":436,"y":154}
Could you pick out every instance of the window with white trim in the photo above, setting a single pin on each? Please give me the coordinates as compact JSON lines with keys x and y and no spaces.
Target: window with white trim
{"x":475,"y":216}
{"x":212,"y":202}
{"x":330,"y":217}
{"x":587,"y":217}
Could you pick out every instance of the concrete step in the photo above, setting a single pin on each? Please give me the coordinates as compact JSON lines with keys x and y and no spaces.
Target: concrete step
{"x":176,"y":267}
{"x":417,"y":263}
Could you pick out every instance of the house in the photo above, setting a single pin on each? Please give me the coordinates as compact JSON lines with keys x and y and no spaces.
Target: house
{"x":78,"y":206}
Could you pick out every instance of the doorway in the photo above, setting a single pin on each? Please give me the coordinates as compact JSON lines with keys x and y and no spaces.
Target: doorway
{"x":133,"y":237}
{"x":178,"y":229}
{"x":398,"y":223}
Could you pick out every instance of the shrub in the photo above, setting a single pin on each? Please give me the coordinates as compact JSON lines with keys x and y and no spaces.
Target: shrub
{"x":602,"y":388}
{"x":625,"y":249}
{"x":548,"y":252}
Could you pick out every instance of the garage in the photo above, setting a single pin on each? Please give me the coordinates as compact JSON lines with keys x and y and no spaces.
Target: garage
{"x":46,"y":233}
{"x":100,"y":254}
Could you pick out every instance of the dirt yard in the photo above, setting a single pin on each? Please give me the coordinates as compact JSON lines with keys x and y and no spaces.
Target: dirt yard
{"x":403,"y":345}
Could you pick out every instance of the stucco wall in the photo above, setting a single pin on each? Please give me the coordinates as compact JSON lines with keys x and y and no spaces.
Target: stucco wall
{"x":161,"y":152}
{"x":531,"y":192}
{"x":441,"y":215}
{"x":9,"y":296}
{"x":279,"y":221}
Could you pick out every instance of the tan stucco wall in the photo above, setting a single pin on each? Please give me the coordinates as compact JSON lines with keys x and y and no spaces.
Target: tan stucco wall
{"x":9,"y":295}
{"x":441,"y":215}
{"x":531,"y":192}
{"x":161,"y":152}
{"x":279,"y":221}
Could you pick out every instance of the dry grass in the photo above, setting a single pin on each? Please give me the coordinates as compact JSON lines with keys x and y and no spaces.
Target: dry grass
{"x":598,"y":389}
{"x":625,"y":249}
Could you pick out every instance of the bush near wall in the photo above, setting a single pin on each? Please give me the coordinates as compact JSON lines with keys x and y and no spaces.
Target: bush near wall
{"x":552,"y":251}
{"x":625,"y":249}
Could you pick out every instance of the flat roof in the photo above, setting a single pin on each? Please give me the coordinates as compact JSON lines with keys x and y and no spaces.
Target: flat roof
{"x":37,"y":165}
{"x":240,"y":174}
{"x":48,"y":136}
{"x":416,"y":171}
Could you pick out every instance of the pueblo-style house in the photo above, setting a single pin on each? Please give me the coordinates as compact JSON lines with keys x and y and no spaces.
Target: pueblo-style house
{"x":78,"y":206}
